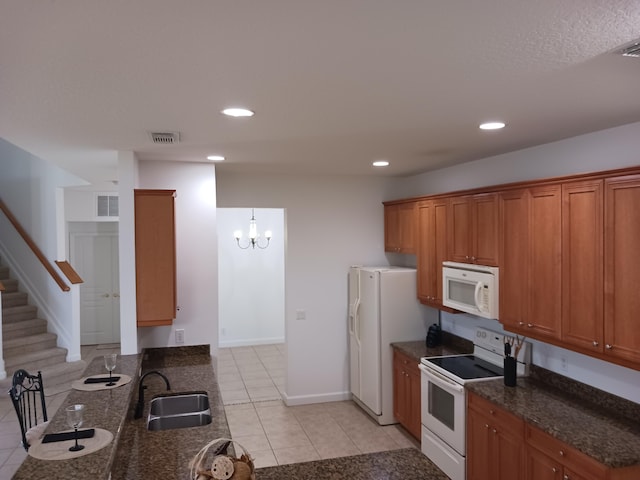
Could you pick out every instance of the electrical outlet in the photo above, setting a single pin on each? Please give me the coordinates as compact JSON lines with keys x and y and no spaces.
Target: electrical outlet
{"x":564,"y":364}
{"x":180,"y":335}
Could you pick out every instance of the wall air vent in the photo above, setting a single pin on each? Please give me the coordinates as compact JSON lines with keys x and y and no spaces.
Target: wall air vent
{"x":165,"y":138}
{"x":631,"y":51}
{"x":106,"y":205}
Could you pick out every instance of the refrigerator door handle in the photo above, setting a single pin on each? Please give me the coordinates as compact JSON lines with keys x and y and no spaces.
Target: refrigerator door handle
{"x":356,"y":317}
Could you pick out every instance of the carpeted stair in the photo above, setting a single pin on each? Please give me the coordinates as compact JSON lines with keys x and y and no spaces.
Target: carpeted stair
{"x":27,"y":344}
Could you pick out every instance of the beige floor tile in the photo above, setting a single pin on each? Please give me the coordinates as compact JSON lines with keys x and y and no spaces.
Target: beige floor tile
{"x":288,"y":438}
{"x":296,"y":454}
{"x":264,"y":458}
{"x":235,"y":396}
{"x":243,"y":428}
{"x":232,"y":385}
{"x":251,"y":443}
{"x":259,"y":382}
{"x":375,"y":444}
{"x":241,"y":407}
{"x":336,"y":449}
{"x":282,"y":427}
{"x":401,"y":437}
{"x":263,"y":393}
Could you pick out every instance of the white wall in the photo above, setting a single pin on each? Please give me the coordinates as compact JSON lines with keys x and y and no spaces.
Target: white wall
{"x":608,"y":149}
{"x":251,"y":281}
{"x":331,"y":223}
{"x":197,"y":250}
{"x":80,"y":206}
{"x":29,"y":186}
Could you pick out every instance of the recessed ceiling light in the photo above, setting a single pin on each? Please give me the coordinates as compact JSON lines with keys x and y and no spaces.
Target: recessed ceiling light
{"x":237,"y":112}
{"x":380,"y":163}
{"x":215,"y":158}
{"x":491,"y":126}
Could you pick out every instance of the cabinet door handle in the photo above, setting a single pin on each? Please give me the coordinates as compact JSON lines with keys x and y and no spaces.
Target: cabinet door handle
{"x":521,"y":324}
{"x":466,"y":257}
{"x":473,"y":259}
{"x":609,"y":346}
{"x":554,"y":470}
{"x":530,"y":325}
{"x":495,"y":431}
{"x":562,"y":453}
{"x":486,"y":425}
{"x":492,"y":412}
{"x":595,"y":344}
{"x":566,"y":477}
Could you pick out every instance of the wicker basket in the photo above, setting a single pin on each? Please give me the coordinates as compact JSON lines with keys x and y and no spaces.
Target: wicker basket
{"x":222,"y":466}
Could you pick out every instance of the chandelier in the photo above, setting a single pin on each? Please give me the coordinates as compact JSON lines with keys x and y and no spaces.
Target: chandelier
{"x":254,"y":237}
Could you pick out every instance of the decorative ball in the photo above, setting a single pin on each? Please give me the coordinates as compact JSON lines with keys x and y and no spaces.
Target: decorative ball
{"x":222,"y":468}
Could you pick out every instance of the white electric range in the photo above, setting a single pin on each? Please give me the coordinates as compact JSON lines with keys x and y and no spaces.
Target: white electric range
{"x":444,"y":404}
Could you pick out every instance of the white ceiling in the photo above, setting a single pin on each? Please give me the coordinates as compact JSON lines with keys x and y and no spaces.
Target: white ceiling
{"x":335,"y":84}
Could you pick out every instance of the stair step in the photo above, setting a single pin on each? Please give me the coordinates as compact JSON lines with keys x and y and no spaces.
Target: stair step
{"x":23,"y":328}
{"x":31,"y":343}
{"x":10,"y":285}
{"x":16,"y":314}
{"x":34,"y":361}
{"x":4,"y":273}
{"x":14,"y":299}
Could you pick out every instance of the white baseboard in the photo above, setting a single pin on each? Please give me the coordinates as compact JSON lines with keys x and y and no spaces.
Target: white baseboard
{"x":249,"y":342}
{"x":321,"y":398}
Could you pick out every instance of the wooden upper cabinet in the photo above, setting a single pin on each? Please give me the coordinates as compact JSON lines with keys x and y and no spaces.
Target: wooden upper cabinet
{"x":473,"y":229}
{"x":582,"y":264}
{"x":400,"y":227}
{"x":622,"y":275}
{"x":155,"y":257}
{"x":545,"y":260}
{"x":514,"y":259}
{"x":432,"y":249}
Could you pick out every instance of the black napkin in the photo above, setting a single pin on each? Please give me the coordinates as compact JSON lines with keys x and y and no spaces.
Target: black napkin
{"x":61,"y":437}
{"x":101,"y":379}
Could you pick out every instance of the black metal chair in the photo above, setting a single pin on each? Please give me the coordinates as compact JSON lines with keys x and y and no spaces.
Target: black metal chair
{"x":27,"y":395}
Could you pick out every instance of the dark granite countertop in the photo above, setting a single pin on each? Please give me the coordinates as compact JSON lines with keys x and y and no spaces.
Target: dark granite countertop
{"x":452,"y":345}
{"x":594,"y":430}
{"x":105,"y":409}
{"x":404,"y":464}
{"x":135,"y":452}
{"x":166,"y":454}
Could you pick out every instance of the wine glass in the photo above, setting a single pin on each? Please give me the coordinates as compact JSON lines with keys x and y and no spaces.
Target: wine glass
{"x":74,"y":419}
{"x":110,"y":364}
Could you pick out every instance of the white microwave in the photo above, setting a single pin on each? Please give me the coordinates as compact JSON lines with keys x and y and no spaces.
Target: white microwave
{"x":470,"y":288}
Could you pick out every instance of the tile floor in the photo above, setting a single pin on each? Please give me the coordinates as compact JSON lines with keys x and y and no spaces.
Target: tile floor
{"x":11,"y":452}
{"x":251,"y":379}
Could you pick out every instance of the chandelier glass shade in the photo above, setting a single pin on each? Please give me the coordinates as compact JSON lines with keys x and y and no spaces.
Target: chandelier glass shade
{"x":254,"y":240}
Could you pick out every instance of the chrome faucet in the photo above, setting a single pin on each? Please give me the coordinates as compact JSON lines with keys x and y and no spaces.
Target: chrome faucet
{"x":140,"y":405}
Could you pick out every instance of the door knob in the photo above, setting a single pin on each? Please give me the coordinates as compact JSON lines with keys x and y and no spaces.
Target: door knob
{"x":106,"y":295}
{"x":116,"y":295}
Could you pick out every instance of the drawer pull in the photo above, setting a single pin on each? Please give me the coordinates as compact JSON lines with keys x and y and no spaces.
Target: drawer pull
{"x":486,"y":425}
{"x":562,"y":453}
{"x":595,"y":344}
{"x":609,"y":347}
{"x":554,"y":470}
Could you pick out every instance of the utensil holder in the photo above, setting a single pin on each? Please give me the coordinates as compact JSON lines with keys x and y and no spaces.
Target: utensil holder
{"x":510,"y":371}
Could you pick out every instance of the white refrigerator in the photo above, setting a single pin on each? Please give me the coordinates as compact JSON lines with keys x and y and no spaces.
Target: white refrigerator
{"x":383,"y":308}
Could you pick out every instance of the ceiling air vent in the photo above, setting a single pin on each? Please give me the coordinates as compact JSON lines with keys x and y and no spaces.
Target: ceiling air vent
{"x":631,"y":51}
{"x":165,"y":138}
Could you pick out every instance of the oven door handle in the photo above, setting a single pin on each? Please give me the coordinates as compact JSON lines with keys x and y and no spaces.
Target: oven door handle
{"x":441,"y":380}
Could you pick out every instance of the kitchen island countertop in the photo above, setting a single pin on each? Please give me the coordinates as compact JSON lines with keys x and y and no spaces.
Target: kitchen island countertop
{"x":403,"y":464}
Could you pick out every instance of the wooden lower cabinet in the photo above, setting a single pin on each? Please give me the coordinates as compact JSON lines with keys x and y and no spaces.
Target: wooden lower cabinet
{"x":550,"y":458}
{"x":495,"y":442}
{"x":406,"y":392}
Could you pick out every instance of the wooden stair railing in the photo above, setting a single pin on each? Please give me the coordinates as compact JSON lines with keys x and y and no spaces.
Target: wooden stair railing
{"x":38,"y":253}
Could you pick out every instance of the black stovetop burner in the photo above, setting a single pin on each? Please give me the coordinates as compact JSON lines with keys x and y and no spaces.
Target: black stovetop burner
{"x":467,"y":367}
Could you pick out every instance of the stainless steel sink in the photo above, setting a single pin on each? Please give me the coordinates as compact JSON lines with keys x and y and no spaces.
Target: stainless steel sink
{"x":179,"y":404}
{"x":179,"y":421}
{"x":181,"y":410}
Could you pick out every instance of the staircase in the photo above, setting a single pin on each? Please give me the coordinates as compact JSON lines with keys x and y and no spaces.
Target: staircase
{"x":27,"y":344}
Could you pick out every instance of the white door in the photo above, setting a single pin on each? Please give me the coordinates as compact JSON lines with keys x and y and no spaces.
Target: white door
{"x":369,"y":334}
{"x":95,"y":256}
{"x":354,"y":342}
